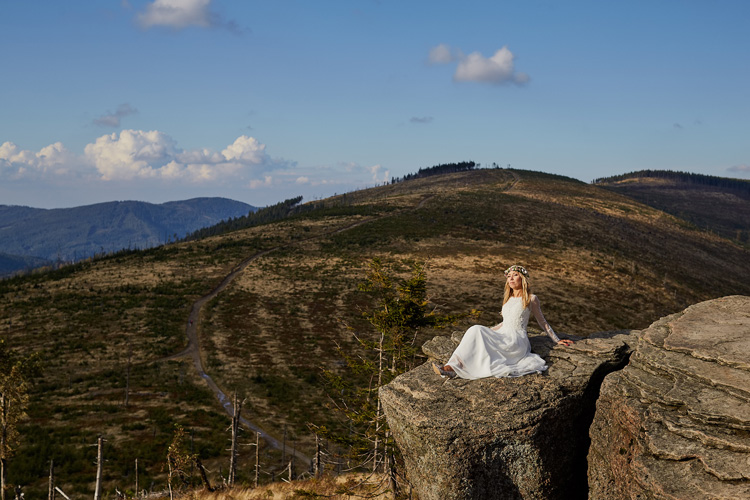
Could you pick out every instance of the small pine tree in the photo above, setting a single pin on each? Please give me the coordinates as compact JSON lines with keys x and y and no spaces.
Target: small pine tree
{"x":179,"y":461}
{"x":402,"y":309}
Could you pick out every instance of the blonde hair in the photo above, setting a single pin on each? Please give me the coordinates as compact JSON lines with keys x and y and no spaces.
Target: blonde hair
{"x":525,"y":295}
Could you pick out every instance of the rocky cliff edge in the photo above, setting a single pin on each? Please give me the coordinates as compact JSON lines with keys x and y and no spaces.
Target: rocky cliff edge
{"x":672,"y":424}
{"x":675,"y":423}
{"x":502,"y":438}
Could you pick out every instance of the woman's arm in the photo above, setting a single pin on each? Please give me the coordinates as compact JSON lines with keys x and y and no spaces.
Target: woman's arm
{"x":536,"y":309}
{"x":497,"y":326}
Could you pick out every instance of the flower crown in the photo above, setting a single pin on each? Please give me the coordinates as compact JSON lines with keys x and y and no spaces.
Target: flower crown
{"x":516,"y":268}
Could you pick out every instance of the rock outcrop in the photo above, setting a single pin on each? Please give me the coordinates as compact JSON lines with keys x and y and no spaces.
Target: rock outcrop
{"x":505,"y":438}
{"x":675,"y":423}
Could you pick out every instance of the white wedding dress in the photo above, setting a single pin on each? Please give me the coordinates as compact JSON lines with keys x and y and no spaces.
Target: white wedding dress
{"x":504,"y":352}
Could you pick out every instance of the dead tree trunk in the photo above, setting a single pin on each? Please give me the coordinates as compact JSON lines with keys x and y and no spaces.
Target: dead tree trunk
{"x":204,"y":476}
{"x":237,"y":409}
{"x":137,"y":494}
{"x":257,"y":457}
{"x":99,"y":466}
{"x":2,"y":478}
{"x":316,"y":463}
{"x":51,"y":493}
{"x":375,"y":459}
{"x":66,"y":497}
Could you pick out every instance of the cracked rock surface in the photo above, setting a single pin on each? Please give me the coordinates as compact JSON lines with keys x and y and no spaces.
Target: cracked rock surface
{"x":502,"y":438}
{"x":675,"y":423}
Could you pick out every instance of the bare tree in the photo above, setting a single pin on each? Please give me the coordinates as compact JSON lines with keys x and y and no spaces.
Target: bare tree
{"x":257,"y":458}
{"x":99,"y":467}
{"x":51,"y":493}
{"x":235,"y":427}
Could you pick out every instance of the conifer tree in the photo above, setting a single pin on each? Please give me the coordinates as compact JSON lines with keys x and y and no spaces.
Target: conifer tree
{"x":401,"y":309}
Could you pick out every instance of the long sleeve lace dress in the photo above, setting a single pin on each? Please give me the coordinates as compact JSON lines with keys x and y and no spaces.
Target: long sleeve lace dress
{"x":502,"y":351}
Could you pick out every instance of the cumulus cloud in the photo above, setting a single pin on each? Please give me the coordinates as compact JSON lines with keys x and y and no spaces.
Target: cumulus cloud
{"x":131,"y":154}
{"x":180,"y":14}
{"x":145,"y":155}
{"x":135,"y":154}
{"x":421,"y":119}
{"x":497,"y":69}
{"x":16,"y":163}
{"x":113,"y":119}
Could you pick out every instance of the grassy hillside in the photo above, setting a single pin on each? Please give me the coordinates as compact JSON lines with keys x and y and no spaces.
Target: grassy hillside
{"x":598,"y":260}
{"x":717,"y":204}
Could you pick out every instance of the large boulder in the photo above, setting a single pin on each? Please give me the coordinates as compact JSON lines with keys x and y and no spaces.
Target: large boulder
{"x":505,"y":438}
{"x":675,"y":423}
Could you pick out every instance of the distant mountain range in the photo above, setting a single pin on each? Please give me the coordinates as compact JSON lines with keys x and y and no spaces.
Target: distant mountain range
{"x":31,"y":237}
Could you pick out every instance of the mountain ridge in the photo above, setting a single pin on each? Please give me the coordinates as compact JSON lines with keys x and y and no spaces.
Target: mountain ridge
{"x":717,"y":204}
{"x":71,"y":234}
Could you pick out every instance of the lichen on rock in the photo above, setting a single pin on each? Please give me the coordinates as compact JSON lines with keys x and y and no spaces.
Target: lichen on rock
{"x":502,"y":438}
{"x":675,"y":423}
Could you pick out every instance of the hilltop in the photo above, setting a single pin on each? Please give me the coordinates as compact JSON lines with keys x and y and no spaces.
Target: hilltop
{"x":717,"y":204}
{"x":33,"y":236}
{"x":598,"y":261}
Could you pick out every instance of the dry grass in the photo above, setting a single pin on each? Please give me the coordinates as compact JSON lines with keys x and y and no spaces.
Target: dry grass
{"x":345,"y":487}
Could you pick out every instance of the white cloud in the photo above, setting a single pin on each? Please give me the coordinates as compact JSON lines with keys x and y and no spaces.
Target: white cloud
{"x":246,"y":149}
{"x":176,"y":14}
{"x":302,"y":180}
{"x":180,"y":14}
{"x":740,"y":168}
{"x":137,"y":154}
{"x":113,"y":119}
{"x":131,"y":154}
{"x":497,"y":69}
{"x":16,"y":163}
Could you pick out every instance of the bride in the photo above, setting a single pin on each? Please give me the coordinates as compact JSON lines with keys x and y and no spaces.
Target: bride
{"x":504,"y":349}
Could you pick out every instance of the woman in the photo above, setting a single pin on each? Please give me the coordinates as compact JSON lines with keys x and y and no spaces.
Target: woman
{"x":504,"y":349}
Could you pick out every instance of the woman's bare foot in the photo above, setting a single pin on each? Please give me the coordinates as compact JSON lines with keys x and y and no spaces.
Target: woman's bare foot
{"x":445,"y":371}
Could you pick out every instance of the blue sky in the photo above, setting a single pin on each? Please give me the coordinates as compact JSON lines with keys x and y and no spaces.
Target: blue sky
{"x":262,"y":101}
